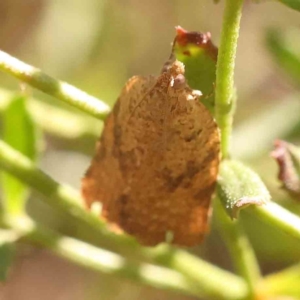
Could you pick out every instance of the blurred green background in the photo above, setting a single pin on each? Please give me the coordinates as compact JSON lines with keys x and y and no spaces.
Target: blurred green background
{"x":97,"y":45}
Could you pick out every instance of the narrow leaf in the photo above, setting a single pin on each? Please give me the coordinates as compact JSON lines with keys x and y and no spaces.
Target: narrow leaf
{"x":238,"y":187}
{"x":19,"y":132}
{"x":285,"y":48}
{"x":7,"y":251}
{"x":294,"y":4}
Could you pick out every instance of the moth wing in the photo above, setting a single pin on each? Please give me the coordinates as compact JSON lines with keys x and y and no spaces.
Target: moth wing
{"x":104,"y":181}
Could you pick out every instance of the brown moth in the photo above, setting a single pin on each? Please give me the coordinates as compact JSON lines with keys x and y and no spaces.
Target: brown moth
{"x":157,"y":161}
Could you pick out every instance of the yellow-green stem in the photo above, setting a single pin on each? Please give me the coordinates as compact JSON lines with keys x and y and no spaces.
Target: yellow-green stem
{"x":240,"y":248}
{"x":241,"y":251}
{"x":225,"y":71}
{"x":49,"y":85}
{"x":100,"y":260}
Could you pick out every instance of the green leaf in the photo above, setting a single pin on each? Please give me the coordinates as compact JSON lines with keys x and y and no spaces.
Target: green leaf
{"x":265,"y":127}
{"x":238,"y":187}
{"x":199,"y":56}
{"x":285,"y":48}
{"x":295,"y":4}
{"x":18,"y":131}
{"x":7,"y":251}
{"x":6,"y":258}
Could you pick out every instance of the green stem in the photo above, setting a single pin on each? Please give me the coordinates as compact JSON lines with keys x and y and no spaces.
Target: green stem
{"x":200,"y":272}
{"x":225,"y":71}
{"x":241,"y":251}
{"x":212,"y":280}
{"x":275,"y":215}
{"x":101,"y":260}
{"x":53,"y":87}
{"x":58,"y":196}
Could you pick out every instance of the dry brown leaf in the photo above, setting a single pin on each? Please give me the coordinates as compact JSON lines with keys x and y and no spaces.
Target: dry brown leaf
{"x":157,"y":161}
{"x":287,"y":157}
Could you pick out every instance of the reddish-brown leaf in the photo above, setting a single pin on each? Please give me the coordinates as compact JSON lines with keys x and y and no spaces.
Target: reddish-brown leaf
{"x":288,"y":173}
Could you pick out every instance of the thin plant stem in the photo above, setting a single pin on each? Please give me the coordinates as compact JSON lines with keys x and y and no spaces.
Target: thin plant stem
{"x":211,"y":279}
{"x":276,"y":216}
{"x":225,"y":71}
{"x":197,"y":271}
{"x":59,"y":89}
{"x":58,"y":196}
{"x":241,"y":251}
{"x":100,"y":260}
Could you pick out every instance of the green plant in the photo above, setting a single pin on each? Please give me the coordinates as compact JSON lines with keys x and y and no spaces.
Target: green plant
{"x":163,"y":267}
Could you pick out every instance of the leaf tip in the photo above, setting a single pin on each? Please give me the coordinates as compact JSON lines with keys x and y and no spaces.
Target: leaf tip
{"x":239,"y":187}
{"x":245,"y":202}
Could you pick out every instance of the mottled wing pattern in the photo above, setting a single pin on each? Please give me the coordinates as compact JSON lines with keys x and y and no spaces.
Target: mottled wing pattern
{"x":157,"y":162}
{"x":104,"y":181}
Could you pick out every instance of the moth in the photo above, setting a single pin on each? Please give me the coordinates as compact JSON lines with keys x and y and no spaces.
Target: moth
{"x":156,"y":163}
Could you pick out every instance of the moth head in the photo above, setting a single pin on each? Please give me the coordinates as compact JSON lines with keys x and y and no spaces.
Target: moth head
{"x":176,"y":68}
{"x":179,"y":82}
{"x":176,"y":71}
